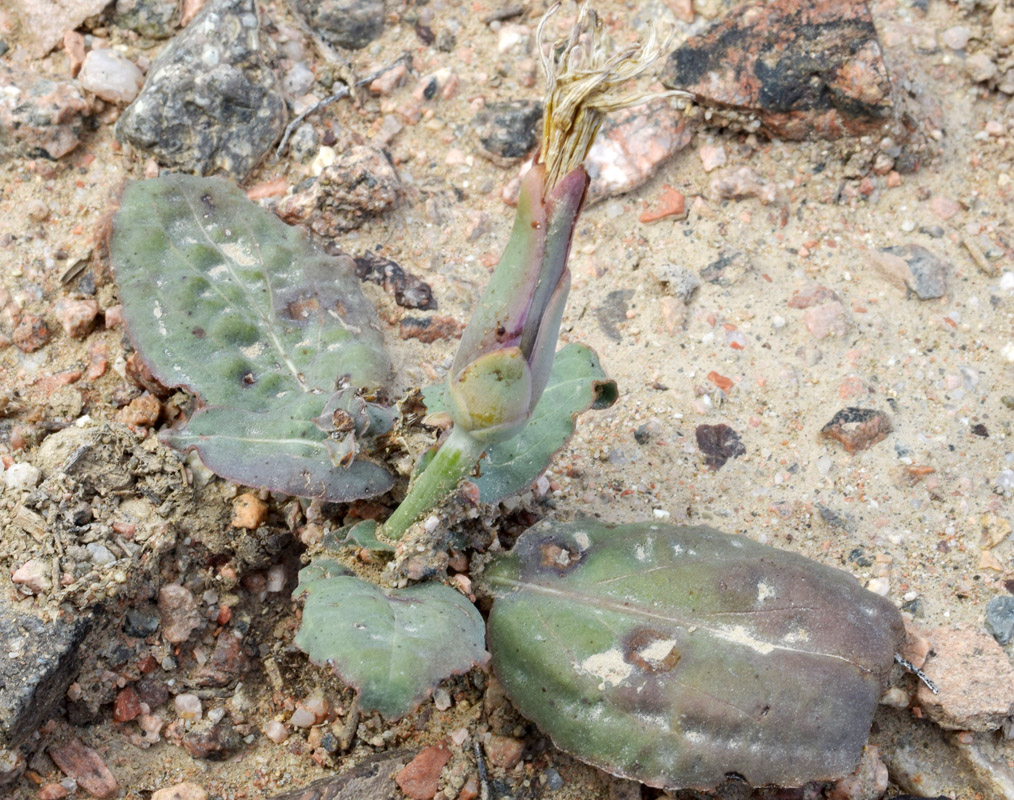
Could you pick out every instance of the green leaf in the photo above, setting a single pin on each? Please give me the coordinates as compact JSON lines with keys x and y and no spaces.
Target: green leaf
{"x":576,"y":383}
{"x":393,"y":646}
{"x":225,"y":300}
{"x":676,"y":655}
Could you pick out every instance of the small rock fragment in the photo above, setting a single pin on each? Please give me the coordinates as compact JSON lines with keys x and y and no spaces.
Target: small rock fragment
{"x":980,"y":67}
{"x":86,"y":767}
{"x":111,"y":76}
{"x":179,"y":612}
{"x":506,"y":132}
{"x":31,"y":332}
{"x":33,"y":575}
{"x":408,"y":290}
{"x":826,"y":319}
{"x":956,"y":37}
{"x":811,"y":296}
{"x":212,"y":740}
{"x":678,"y":280}
{"x":127,"y":705}
{"x":712,"y":157}
{"x":944,"y":207}
{"x":868,"y":782}
{"x":210,"y":102}
{"x":914,"y":268}
{"x":1000,"y":619}
{"x":39,"y":114}
{"x":631,"y":146}
{"x":361,"y":184}
{"x":797,"y":68}
{"x":857,"y":428}
{"x":351,"y":24}
{"x":420,"y":778}
{"x":188,"y":706}
{"x":739,"y":184}
{"x":719,"y":443}
{"x":141,"y":412}
{"x":77,"y":316}
{"x":975,"y":679}
{"x":21,"y":477}
{"x":249,"y":511}
{"x":181,"y":791}
{"x":670,"y":203}
{"x":504,"y":751}
{"x":276,"y":731}
{"x":227,"y":662}
{"x":52,"y":791}
{"x":151,"y":18}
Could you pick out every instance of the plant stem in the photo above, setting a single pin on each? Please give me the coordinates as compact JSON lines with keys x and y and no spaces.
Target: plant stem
{"x":452,"y":462}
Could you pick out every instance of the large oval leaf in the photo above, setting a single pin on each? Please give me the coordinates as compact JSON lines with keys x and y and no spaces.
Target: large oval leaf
{"x":577,"y":382}
{"x":395,"y":645}
{"x":676,"y":656}
{"x":223,"y":299}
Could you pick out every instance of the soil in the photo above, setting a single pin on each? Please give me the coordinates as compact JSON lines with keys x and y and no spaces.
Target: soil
{"x":916,"y":515}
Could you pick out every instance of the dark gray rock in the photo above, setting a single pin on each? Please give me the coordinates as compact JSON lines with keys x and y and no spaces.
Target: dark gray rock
{"x":39,"y":661}
{"x":211,"y":101}
{"x":507,"y":132}
{"x":351,"y":24}
{"x":926,"y":275}
{"x":1000,"y":619}
{"x":140,"y":622}
{"x":155,"y":19}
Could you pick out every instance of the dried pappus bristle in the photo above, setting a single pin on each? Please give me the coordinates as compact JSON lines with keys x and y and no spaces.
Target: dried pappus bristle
{"x":584,"y":82}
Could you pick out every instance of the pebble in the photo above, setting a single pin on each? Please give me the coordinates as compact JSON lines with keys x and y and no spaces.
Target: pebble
{"x":302,"y":718}
{"x":188,"y":707}
{"x":504,"y":751}
{"x":712,"y":157}
{"x":141,"y":412}
{"x":391,"y":79}
{"x":31,"y":332}
{"x":980,"y":67}
{"x":670,"y":203}
{"x":914,"y":268}
{"x":1000,"y":619}
{"x":100,"y":555}
{"x":276,"y":731}
{"x":739,"y":184}
{"x":179,"y":613}
{"x":719,"y":443}
{"x":227,"y":662}
{"x":212,"y":739}
{"x":21,"y":477}
{"x":181,"y":791}
{"x":86,"y":767}
{"x":975,"y":679}
{"x":210,"y":102}
{"x":826,"y":319}
{"x":956,"y":37}
{"x":39,"y":113}
{"x":33,"y":576}
{"x":111,"y":76}
{"x":53,"y":791}
{"x":632,"y":144}
{"x":868,"y":781}
{"x":857,"y":428}
{"x":127,"y":705}
{"x":678,"y":280}
{"x":360,"y":184}
{"x":298,"y":80}
{"x":140,"y":622}
{"x":944,"y":207}
{"x":77,"y":316}
{"x":152,"y":18}
{"x":351,"y":24}
{"x":506,"y":132}
{"x":249,"y":511}
{"x":420,"y":778}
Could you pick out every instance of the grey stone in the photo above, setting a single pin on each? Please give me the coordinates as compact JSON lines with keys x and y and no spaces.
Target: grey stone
{"x":38,"y":660}
{"x":305,"y":142}
{"x":211,"y":101}
{"x":351,"y":24}
{"x":155,"y":19}
{"x":507,"y":132}
{"x":140,"y":622}
{"x":926,"y":273}
{"x":1000,"y":619}
{"x":678,"y":280}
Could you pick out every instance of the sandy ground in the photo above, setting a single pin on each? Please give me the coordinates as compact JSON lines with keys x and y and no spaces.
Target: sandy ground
{"x":938,"y":368}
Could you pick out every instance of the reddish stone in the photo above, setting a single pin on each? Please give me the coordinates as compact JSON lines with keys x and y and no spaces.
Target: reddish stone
{"x":226,"y":663}
{"x":142,"y":412}
{"x":857,"y":428}
{"x":179,"y":613}
{"x":811,"y":295}
{"x":52,"y":791}
{"x":671,"y":203}
{"x":77,"y":316}
{"x":86,"y":767}
{"x":800,"y":67}
{"x":31,"y":333}
{"x":249,"y":511}
{"x":38,"y":112}
{"x":504,"y":751}
{"x":127,"y":705}
{"x":139,"y":374}
{"x":723,"y":383}
{"x":826,"y":319}
{"x":74,"y":46}
{"x":420,"y":778}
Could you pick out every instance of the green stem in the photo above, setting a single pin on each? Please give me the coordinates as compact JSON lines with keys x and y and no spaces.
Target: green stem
{"x":452,"y":462}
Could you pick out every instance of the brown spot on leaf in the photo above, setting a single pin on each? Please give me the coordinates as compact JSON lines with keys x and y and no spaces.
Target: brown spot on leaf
{"x":651,"y":651}
{"x":554,"y":556}
{"x":302,"y":309}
